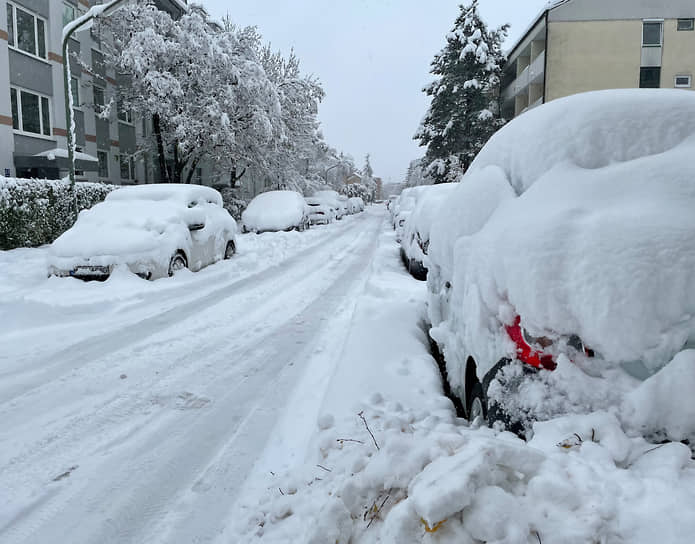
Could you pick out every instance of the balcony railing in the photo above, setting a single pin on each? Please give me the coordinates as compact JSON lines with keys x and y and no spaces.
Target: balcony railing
{"x":531,"y":74}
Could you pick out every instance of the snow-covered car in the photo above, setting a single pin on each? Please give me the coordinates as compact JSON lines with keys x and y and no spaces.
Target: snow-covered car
{"x":320,"y":213}
{"x":276,"y":211}
{"x":355,"y":204}
{"x":591,"y":268}
{"x":344,"y":206}
{"x":331,"y":199}
{"x":416,"y":236}
{"x":154,"y":230}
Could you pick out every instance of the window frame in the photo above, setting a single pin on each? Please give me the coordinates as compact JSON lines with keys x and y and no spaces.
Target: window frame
{"x":42,"y":117}
{"x":659,"y":22}
{"x":689,"y":20}
{"x":106,"y":164}
{"x":659,"y":68}
{"x":688,"y":86}
{"x":76,"y":105}
{"x":67,"y":5}
{"x":14,"y":44}
{"x":130,"y":164}
{"x":127,"y":118}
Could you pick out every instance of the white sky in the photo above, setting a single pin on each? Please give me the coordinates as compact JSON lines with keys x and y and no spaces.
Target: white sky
{"x":372,"y":57}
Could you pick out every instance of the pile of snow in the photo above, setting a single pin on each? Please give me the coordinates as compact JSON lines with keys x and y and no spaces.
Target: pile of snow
{"x":274,"y":211}
{"x":591,"y":131}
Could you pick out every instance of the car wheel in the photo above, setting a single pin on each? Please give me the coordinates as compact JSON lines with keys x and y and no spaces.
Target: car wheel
{"x":178,"y":262}
{"x":496,"y":413}
{"x":476,"y":404}
{"x":230,"y":250}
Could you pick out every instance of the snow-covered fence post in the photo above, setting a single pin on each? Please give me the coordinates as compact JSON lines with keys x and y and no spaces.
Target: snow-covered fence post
{"x":81,"y":23}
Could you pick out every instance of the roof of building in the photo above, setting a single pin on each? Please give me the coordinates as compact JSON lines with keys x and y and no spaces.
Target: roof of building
{"x":552,"y":4}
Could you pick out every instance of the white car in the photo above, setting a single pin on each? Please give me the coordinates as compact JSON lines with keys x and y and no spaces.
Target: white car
{"x":275,"y":211}
{"x":416,"y":236}
{"x":579,"y":257}
{"x":320,"y":213}
{"x":154,"y":230}
{"x":331,"y":199}
{"x":355,"y":204}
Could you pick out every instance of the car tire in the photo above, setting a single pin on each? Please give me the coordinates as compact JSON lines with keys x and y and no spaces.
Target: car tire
{"x":476,"y":404}
{"x":177,"y":262}
{"x":495,"y":412}
{"x":229,"y":250}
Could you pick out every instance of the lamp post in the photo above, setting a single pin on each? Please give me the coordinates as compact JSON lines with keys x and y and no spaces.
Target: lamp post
{"x":325,"y":174}
{"x":81,"y":23}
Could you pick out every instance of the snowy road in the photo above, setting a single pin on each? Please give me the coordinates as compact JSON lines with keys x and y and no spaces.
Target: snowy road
{"x":135,"y":414}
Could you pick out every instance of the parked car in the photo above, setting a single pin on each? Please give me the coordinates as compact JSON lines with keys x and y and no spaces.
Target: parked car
{"x":416,"y":236}
{"x":276,"y":211}
{"x":343,"y":204}
{"x":154,"y":230}
{"x":331,"y":199}
{"x":355,"y":204}
{"x":320,"y":213}
{"x":576,"y":253}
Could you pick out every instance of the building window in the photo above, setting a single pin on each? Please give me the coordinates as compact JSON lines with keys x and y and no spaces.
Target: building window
{"x":652,"y":34}
{"x":98,"y":100}
{"x":686,"y":24}
{"x":650,"y":78}
{"x":124,"y":115}
{"x":683,"y":82}
{"x":127,"y":167}
{"x":75,"y":88}
{"x":30,"y":113}
{"x":103,"y":157}
{"x":68,"y":14}
{"x":98,"y":63}
{"x":26,"y":31}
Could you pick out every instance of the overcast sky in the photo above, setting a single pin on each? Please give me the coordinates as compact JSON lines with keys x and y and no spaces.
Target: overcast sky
{"x":372,"y":57}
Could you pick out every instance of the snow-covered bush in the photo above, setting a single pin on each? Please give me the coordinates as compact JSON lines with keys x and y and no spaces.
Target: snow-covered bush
{"x":233,"y":203}
{"x":35,"y":212}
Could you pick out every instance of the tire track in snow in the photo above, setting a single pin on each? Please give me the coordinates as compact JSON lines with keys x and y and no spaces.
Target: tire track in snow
{"x":185,"y":435}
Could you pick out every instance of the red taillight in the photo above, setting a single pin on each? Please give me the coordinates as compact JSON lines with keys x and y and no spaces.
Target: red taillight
{"x":525,"y":353}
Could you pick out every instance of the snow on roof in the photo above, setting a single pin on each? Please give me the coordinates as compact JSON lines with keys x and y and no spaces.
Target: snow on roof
{"x":53,"y":154}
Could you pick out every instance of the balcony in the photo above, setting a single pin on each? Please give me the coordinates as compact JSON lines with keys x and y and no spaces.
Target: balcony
{"x":532,"y":74}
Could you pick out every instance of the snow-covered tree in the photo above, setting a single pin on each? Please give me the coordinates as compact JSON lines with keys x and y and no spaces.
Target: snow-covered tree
{"x":416,"y":174}
{"x":463,"y":113}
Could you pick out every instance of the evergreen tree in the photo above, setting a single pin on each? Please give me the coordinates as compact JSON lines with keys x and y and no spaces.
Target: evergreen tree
{"x":463,"y":114}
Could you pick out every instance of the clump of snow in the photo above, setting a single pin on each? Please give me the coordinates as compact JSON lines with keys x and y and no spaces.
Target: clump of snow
{"x":664,"y":404}
{"x":274,"y":210}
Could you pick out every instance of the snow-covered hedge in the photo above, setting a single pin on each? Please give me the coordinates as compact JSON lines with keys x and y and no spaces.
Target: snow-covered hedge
{"x":35,"y":212}
{"x":233,"y":203}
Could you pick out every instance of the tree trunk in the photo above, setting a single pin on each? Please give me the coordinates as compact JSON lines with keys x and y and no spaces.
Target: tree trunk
{"x":163,"y":174}
{"x":234,"y":178}
{"x":177,"y":165}
{"x":194,"y":165}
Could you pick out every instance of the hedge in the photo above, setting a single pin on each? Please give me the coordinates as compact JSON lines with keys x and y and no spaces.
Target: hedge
{"x":34,"y":212}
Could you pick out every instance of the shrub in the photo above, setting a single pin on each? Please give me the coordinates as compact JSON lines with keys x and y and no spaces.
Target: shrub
{"x":35,"y":212}
{"x":233,"y":203}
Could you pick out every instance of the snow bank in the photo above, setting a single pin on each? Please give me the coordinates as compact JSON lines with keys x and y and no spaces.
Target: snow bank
{"x":664,"y":406}
{"x":589,"y":130}
{"x":274,"y":210}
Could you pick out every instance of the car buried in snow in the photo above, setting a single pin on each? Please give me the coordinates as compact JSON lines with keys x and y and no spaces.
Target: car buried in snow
{"x":557,"y":279}
{"x":320,"y":213}
{"x":416,"y":236}
{"x":331,"y":199}
{"x":275,"y":211}
{"x":153,"y":230}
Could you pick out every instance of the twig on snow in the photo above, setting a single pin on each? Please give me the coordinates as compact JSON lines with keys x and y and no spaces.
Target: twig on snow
{"x":324,"y":468}
{"x":341,"y":440}
{"x":280,"y":490}
{"x":361,"y":416}
{"x":376,"y":511}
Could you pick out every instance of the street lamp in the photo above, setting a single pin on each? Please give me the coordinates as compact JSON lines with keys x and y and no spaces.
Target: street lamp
{"x":325,"y":174}
{"x":81,"y":23}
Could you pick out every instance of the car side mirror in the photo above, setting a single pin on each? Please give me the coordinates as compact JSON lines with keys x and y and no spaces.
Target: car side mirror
{"x":196,"y":226}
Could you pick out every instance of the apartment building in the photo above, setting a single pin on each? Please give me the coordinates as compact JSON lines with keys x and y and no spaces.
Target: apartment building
{"x":575,"y":46}
{"x":33,"y":136}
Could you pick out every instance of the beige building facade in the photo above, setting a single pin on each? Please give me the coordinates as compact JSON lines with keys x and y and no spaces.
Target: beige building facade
{"x":575,"y":46}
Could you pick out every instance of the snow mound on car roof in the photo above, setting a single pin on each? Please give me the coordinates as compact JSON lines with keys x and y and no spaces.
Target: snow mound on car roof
{"x":603,"y":252}
{"x":589,"y":130}
{"x":181,"y":193}
{"x":274,"y":210}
